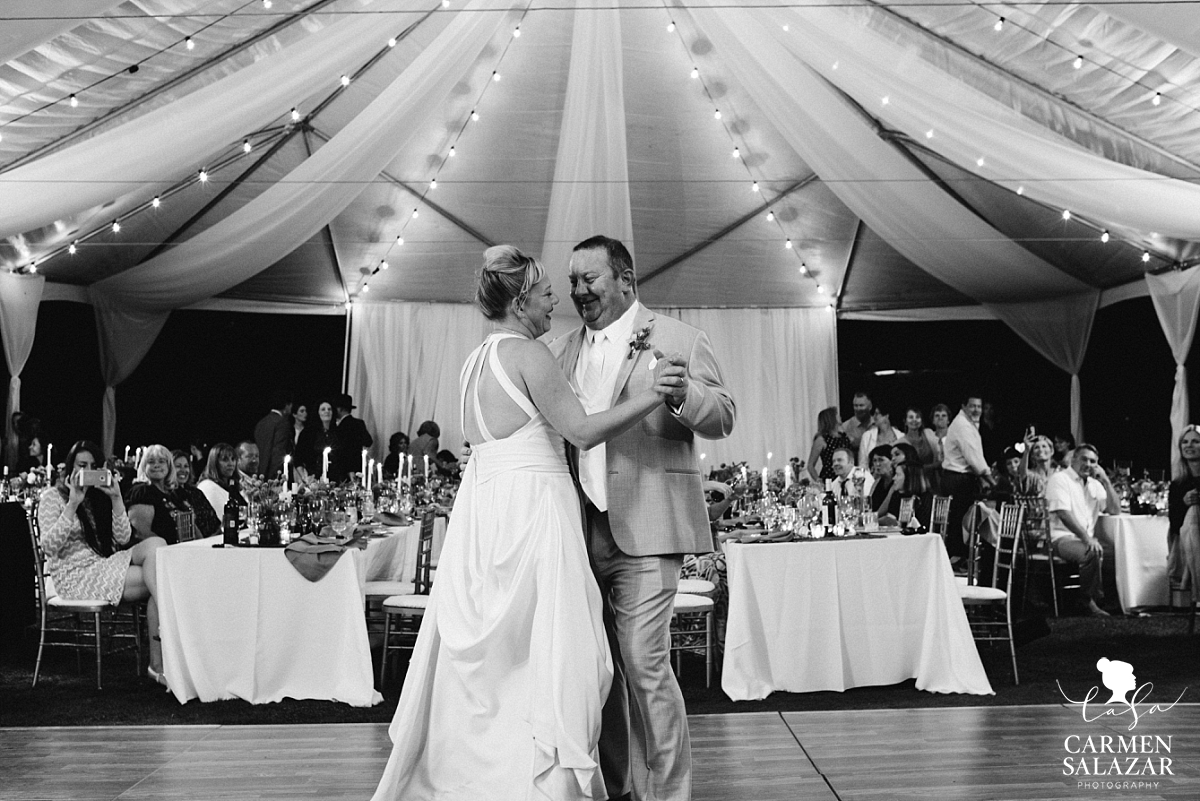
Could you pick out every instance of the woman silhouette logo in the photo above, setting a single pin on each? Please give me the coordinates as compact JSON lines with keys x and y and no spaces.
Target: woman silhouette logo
{"x":1118,"y":677}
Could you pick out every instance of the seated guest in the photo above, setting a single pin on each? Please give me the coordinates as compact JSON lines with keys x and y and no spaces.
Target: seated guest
{"x":846,"y":477}
{"x":447,"y":465}
{"x":880,"y":433}
{"x":1011,"y":481}
{"x":83,"y":529}
{"x":207,"y":521}
{"x":393,"y":463}
{"x":1038,"y":462}
{"x":1183,"y":532}
{"x":1064,"y":444}
{"x":880,"y":461}
{"x":1074,"y":498}
{"x":247,"y":461}
{"x":152,"y":500}
{"x":923,"y":440}
{"x":910,"y":482}
{"x":220,"y":480}
{"x":829,"y":438}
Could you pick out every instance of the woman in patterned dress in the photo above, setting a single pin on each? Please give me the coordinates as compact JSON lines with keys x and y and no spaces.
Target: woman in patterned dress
{"x":829,"y":438}
{"x":82,"y":530}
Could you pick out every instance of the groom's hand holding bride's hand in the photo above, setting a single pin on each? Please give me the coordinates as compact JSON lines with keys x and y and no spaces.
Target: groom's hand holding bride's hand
{"x":670,"y":378}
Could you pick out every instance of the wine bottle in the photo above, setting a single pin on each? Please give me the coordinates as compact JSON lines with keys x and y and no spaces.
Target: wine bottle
{"x":229,"y":522}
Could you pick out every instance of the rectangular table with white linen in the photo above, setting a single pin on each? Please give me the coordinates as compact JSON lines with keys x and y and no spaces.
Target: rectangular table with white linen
{"x":1138,"y":544}
{"x":829,"y":615}
{"x":243,"y":623}
{"x":394,"y":557}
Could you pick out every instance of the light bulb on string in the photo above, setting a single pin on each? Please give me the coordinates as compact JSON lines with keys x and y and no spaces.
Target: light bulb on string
{"x":979,"y":161}
{"x":517,"y":32}
{"x":929,"y":134}
{"x":474,"y":115}
{"x":754,"y":187}
{"x":1154,"y":101}
{"x":74,"y":101}
{"x":433,"y":184}
{"x":695,"y":73}
{"x":366,"y":288}
{"x":803,"y":268}
{"x":399,"y":240}
{"x":671,"y":26}
{"x":445,"y":3}
{"x":72,"y":248}
{"x":788,"y":244}
{"x":203,"y":176}
{"x":820,"y":289}
{"x":885,"y":100}
{"x":1078,"y":63}
{"x":717,"y":114}
{"x":189,"y":44}
{"x":295,"y":115}
{"x":495,"y":76}
{"x":1104,"y":236}
{"x":770,"y":216}
{"x":383,"y":265}
{"x":416,"y":213}
{"x":999,"y":26}
{"x":154,"y":204}
{"x":737,"y":153}
{"x":266,"y":3}
{"x":116,"y":226}
{"x":1145,"y":256}
{"x":246,"y":146}
{"x":392,"y":42}
{"x":1020,"y":190}
{"x":33,"y":266}
{"x":786,"y":28}
{"x":1066,"y":215}
{"x":452,"y":153}
{"x":345,"y":80}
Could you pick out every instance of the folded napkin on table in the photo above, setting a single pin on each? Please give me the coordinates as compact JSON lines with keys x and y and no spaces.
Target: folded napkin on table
{"x":314,"y":556}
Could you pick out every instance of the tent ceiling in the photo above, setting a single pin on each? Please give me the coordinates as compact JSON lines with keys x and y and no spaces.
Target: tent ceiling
{"x":701,"y":235}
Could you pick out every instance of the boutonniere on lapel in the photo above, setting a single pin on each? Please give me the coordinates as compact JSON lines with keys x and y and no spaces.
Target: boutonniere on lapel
{"x":640,"y":341}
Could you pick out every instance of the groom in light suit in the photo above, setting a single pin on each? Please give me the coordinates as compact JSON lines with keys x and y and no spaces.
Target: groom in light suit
{"x":644,"y":508}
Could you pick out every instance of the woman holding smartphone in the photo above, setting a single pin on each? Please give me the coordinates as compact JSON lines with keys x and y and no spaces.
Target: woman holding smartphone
{"x":83,"y":528}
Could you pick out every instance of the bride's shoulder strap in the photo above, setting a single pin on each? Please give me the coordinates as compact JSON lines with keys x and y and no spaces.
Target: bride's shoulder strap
{"x":508,"y":386}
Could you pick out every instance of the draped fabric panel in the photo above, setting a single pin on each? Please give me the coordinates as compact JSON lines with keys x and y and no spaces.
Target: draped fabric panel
{"x":125,"y":336}
{"x":880,"y":185}
{"x":143,"y":153}
{"x":291,"y":211}
{"x":20,"y":296}
{"x":1176,"y":297}
{"x":404,"y":362}
{"x":591,"y":174}
{"x":27,"y":24}
{"x":780,"y":364}
{"x":969,"y":127}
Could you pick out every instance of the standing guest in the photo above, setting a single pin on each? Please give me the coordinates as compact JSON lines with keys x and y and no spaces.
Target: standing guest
{"x":923,"y":441}
{"x":83,"y":529}
{"x":989,"y":433}
{"x":248,"y":462}
{"x":152,"y":500}
{"x":207,"y":521}
{"x":880,"y":433}
{"x":221,"y":480}
{"x":299,"y":420}
{"x":393,"y":463}
{"x":939,"y":416}
{"x":273,"y":435}
{"x":198,"y":455}
{"x":640,"y":518}
{"x":349,"y":441}
{"x":963,"y":468}
{"x":856,"y":426}
{"x":1183,"y":533}
{"x":1064,"y":444}
{"x":880,"y":460}
{"x":314,"y":439}
{"x":829,"y":437}
{"x":1075,"y":497}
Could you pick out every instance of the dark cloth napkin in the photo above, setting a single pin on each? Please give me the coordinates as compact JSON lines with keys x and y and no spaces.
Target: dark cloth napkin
{"x":313,"y":556}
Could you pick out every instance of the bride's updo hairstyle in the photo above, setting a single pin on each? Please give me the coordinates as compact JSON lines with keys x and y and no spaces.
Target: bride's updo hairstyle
{"x":507,"y":274}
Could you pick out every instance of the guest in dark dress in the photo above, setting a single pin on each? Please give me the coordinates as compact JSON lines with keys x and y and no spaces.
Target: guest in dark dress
{"x":151,"y":500}
{"x":207,"y":521}
{"x":1184,"y":494}
{"x":393,"y":463}
{"x":829,"y":438}
{"x":314,"y":439}
{"x":884,"y":488}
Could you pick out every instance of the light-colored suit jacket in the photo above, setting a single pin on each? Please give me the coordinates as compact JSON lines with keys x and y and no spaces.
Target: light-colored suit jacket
{"x":655,"y":500}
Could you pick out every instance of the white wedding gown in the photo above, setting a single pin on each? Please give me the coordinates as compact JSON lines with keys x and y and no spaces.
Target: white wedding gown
{"x":506,"y":683}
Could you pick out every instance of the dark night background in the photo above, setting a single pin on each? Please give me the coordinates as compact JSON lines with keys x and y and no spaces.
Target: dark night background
{"x":210,"y":374}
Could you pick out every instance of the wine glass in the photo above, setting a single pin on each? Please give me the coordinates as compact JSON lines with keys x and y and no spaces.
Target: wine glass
{"x":339,"y":521}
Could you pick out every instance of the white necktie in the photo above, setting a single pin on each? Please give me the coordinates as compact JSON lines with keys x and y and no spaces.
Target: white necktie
{"x":594,"y":371}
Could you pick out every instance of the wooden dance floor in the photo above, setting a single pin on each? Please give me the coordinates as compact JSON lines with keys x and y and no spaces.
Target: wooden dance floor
{"x":959,"y":754}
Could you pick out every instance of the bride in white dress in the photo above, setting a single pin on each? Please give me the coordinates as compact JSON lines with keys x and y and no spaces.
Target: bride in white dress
{"x":504,"y":690}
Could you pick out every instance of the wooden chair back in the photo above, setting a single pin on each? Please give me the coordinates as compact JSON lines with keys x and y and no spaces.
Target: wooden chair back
{"x":939,"y":517}
{"x":906,"y":510}
{"x":423,"y":582}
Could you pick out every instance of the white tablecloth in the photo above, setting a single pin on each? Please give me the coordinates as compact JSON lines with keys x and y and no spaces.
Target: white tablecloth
{"x":242,"y":623}
{"x":1138,"y":544}
{"x":828,"y":615}
{"x":394,"y":557}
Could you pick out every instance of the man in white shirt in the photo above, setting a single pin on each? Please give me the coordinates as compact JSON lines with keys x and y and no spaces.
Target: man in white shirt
{"x":845,"y":472}
{"x":963,"y":467}
{"x":1074,"y":499}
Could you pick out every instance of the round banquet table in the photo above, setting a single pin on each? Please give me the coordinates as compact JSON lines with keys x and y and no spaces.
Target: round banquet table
{"x":833,"y":614}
